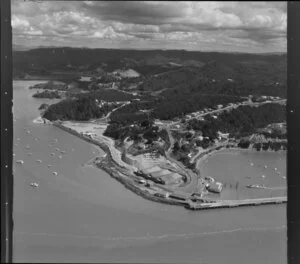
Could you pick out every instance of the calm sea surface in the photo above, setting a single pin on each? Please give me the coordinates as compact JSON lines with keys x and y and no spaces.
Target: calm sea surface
{"x":239,"y":168}
{"x":83,"y":215}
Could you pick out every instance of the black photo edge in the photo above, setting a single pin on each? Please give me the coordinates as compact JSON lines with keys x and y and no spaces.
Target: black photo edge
{"x":6,"y":134}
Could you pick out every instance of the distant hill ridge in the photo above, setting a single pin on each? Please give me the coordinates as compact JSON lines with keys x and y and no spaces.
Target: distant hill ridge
{"x":60,"y":57}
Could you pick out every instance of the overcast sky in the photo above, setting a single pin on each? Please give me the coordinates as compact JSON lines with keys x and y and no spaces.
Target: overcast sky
{"x":204,"y":26}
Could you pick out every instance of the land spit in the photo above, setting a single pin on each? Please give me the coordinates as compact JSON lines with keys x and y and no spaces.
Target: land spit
{"x":129,"y":180}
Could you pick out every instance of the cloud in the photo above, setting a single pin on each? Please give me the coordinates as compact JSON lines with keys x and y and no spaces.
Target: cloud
{"x":184,"y":24}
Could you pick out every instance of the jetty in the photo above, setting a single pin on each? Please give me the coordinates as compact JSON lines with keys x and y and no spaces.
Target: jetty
{"x":235,"y":203}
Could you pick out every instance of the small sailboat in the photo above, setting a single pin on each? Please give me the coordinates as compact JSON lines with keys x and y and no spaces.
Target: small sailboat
{"x":54,"y":173}
{"x":265,"y":166}
{"x":251,"y":164}
{"x":283,"y":177}
{"x":34,"y":184}
{"x":14,"y":154}
{"x":20,"y":161}
{"x":39,"y":161}
{"x":263,"y":176}
{"x":28,"y":131}
{"x":275,"y":169}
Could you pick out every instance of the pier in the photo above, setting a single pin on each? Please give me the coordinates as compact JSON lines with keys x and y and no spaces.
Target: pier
{"x":235,"y":203}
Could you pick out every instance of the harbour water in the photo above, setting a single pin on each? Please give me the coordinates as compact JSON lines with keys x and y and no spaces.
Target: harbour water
{"x":83,"y":215}
{"x":237,"y":169}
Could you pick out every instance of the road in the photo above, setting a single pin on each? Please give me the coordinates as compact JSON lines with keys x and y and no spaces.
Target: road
{"x":234,"y":106}
{"x":193,"y":179}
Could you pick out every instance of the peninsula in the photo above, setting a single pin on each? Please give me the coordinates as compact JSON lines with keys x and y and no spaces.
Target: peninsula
{"x":157,"y":122}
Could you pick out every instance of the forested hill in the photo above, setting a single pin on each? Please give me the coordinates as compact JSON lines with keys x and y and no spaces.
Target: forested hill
{"x":65,"y":58}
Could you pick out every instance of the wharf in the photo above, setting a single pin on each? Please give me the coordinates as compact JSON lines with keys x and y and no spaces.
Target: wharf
{"x":235,"y":203}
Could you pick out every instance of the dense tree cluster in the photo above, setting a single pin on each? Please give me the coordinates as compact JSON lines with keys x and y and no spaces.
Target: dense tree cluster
{"x":166,"y":108}
{"x":47,"y":94}
{"x":137,"y":132}
{"x":81,"y":110}
{"x":107,"y":95}
{"x":240,"y":122}
{"x":50,"y":85}
{"x":43,"y":106}
{"x":181,"y":154}
{"x":270,"y":145}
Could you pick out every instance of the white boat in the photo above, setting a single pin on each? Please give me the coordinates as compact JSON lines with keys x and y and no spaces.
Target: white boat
{"x":256,"y":186}
{"x":28,"y":131}
{"x":54,"y":173}
{"x":27,"y":147}
{"x":60,"y":156}
{"x":34,"y":184}
{"x":14,"y":154}
{"x":263,"y":176}
{"x":283,"y":177}
{"x":20,"y":161}
{"x":265,"y":166}
{"x":251,"y":164}
{"x":275,"y":169}
{"x":39,"y":161}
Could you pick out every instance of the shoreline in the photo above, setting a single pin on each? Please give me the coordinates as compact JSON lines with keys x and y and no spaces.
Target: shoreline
{"x":110,"y":166}
{"x":203,"y":156}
